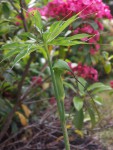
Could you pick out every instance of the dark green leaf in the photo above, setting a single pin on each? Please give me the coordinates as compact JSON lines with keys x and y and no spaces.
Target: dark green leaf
{"x":78,"y":119}
{"x":5,"y":9}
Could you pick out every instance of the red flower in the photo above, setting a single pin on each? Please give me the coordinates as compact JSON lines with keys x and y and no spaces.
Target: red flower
{"x":37,"y":79}
{"x":111,"y":83}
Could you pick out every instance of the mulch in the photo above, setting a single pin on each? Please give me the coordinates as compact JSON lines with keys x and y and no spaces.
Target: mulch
{"x":48,"y":136}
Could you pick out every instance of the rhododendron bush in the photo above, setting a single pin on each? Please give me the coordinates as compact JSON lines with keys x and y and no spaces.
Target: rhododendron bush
{"x":52,"y":53}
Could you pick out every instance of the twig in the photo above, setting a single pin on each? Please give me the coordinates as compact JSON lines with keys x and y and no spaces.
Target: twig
{"x":22,"y":15}
{"x":14,"y":6}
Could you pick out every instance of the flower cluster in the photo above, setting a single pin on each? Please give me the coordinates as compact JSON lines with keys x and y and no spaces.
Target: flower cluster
{"x":88,"y":9}
{"x":84,"y":71}
{"x":86,"y":28}
{"x":62,"y":8}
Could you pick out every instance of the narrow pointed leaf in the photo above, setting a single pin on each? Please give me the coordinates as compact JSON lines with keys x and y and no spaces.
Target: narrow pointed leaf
{"x":10,"y":54}
{"x":61,"y":26}
{"x":22,"y":54}
{"x":38,"y":21}
{"x":78,"y":36}
{"x":66,"y":42}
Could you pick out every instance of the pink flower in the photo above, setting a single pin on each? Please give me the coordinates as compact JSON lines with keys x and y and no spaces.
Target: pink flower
{"x":61,"y":8}
{"x":84,"y":71}
{"x":111,"y":83}
{"x":36,"y":79}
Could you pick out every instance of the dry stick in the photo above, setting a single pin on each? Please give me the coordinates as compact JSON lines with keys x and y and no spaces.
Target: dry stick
{"x":11,"y":114}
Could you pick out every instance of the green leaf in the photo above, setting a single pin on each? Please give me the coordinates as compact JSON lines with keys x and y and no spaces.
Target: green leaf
{"x":27,"y":35}
{"x":22,"y":54}
{"x":77,"y":23}
{"x":58,"y":68}
{"x":13,"y":45}
{"x":105,"y":55}
{"x":38,"y":21}
{"x":66,"y":42}
{"x":78,"y":119}
{"x":68,"y":85}
{"x":58,"y":27}
{"x":4,"y":29}
{"x":59,"y":84}
{"x":98,"y":87}
{"x":101,"y":89}
{"x":10,"y":54}
{"x":95,"y":85}
{"x":93,"y":24}
{"x":78,"y":103}
{"x":78,"y":36}
{"x":27,"y":1}
{"x":92,"y":116}
{"x":98,"y":100}
{"x":61,"y":65}
{"x":82,"y":87}
{"x":107,"y":67}
{"x":5,"y":9}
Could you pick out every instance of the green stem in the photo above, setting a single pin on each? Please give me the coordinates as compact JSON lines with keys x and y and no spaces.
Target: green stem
{"x":60,"y":103}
